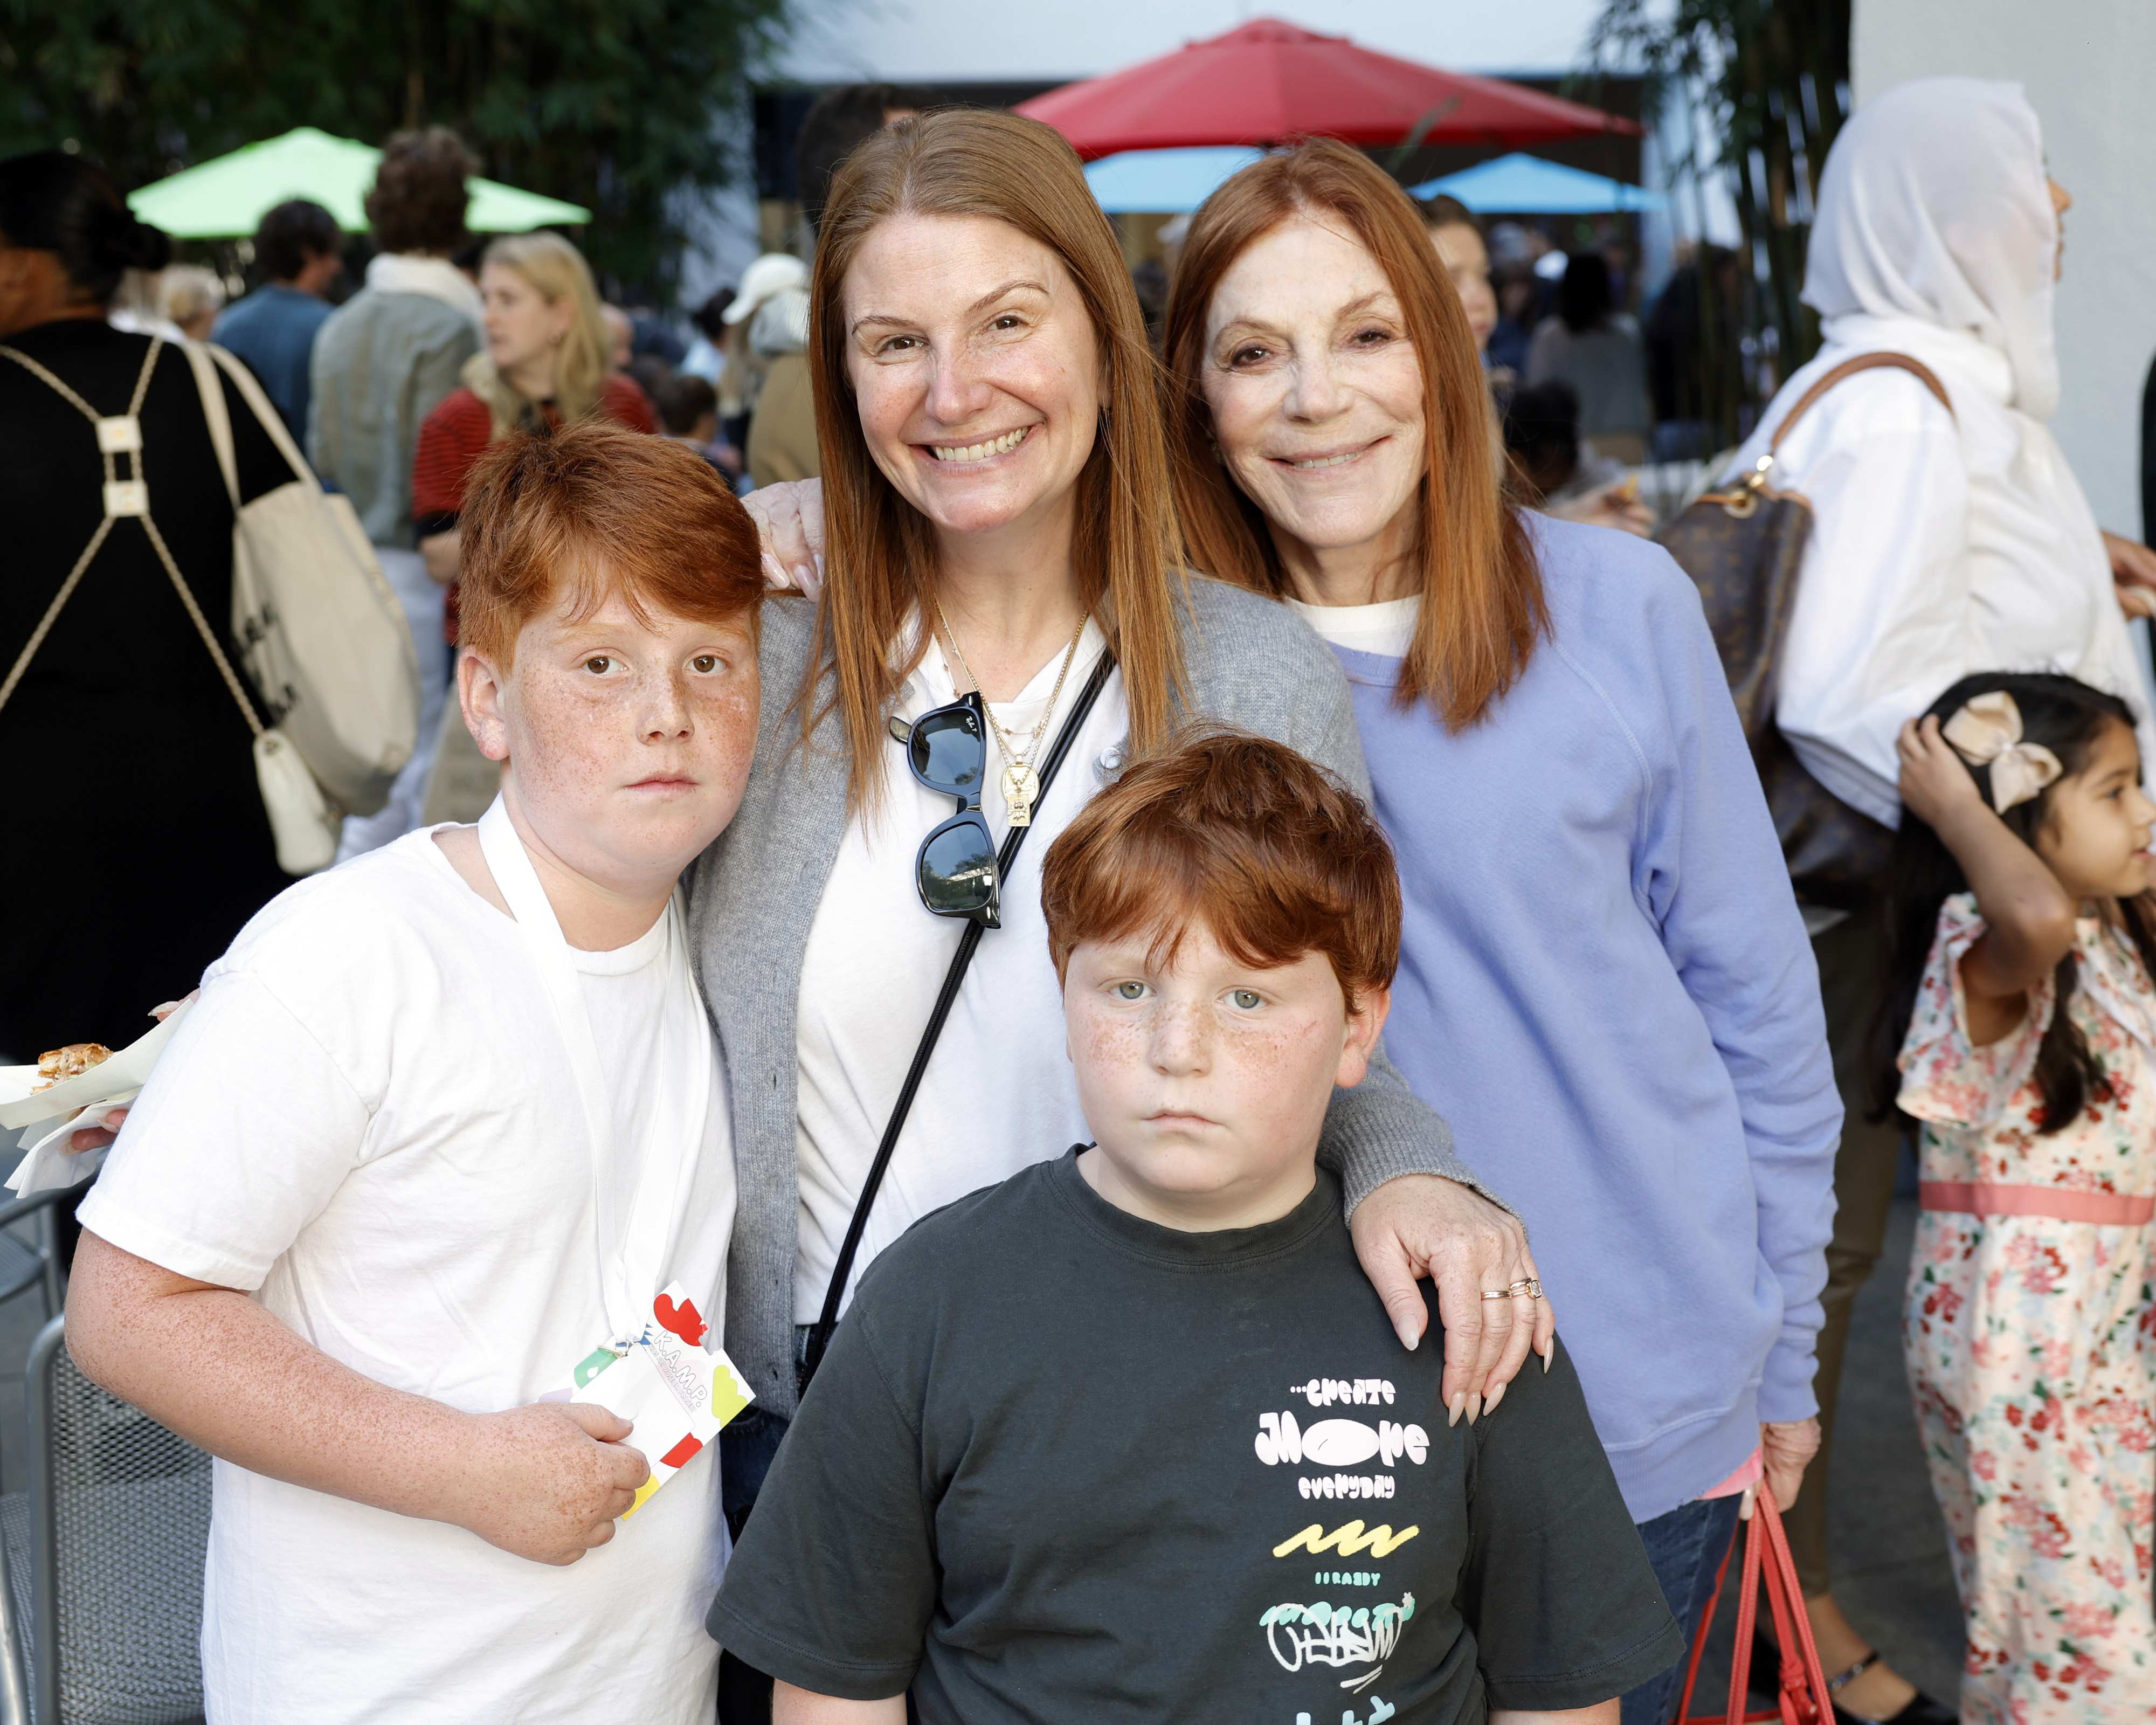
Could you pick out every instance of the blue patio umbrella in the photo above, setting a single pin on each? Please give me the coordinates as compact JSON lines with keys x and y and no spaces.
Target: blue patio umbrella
{"x":1164,"y":181}
{"x":1521,"y":185}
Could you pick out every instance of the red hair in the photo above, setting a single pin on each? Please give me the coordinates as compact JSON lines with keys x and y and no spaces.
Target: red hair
{"x":1482,"y":604}
{"x":601,"y":511}
{"x":1243,"y":836}
{"x":880,"y":550}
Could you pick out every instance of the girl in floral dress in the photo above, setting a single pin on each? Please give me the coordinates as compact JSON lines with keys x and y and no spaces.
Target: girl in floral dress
{"x":2027,"y":942}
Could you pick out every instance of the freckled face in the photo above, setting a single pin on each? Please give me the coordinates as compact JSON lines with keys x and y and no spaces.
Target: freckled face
{"x":1206,"y":1084}
{"x":628,"y":746}
{"x":975,"y":367}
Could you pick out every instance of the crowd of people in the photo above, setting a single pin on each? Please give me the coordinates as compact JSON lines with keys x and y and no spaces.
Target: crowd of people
{"x":1133,"y":914}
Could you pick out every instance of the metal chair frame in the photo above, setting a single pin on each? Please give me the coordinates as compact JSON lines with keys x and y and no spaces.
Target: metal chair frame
{"x":18,"y":1706}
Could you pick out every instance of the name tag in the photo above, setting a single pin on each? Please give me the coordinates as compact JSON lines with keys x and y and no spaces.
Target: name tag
{"x":127,"y":497}
{"x":676,"y":1393}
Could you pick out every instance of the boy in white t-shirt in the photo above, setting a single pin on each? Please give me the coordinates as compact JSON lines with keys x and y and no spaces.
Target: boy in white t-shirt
{"x":414,"y":1157}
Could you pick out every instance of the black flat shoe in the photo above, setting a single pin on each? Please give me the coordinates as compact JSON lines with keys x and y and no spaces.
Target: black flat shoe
{"x":1922,"y":1710}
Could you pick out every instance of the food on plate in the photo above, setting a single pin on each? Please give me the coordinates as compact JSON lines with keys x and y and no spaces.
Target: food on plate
{"x":57,"y":1064}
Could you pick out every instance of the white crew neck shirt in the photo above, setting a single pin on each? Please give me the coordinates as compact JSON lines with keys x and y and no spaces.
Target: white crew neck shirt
{"x":1386,"y":629}
{"x":875,"y":960}
{"x":370,"y":1120}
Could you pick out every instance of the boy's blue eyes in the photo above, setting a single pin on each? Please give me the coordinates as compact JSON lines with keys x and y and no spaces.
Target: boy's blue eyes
{"x":1249,"y":999}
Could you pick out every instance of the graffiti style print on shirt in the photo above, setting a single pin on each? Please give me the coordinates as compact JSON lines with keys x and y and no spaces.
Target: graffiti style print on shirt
{"x":1352,"y":1636}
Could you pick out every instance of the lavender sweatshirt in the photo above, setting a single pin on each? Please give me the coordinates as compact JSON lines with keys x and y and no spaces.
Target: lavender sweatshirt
{"x":1606,"y":987}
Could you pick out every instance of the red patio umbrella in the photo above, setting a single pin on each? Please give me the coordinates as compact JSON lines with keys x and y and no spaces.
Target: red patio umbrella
{"x":1270,"y":81}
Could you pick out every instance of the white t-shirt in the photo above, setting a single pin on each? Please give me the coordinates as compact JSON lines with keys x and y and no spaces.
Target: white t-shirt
{"x":1386,"y":629}
{"x":369,"y":1117}
{"x":874,"y":963}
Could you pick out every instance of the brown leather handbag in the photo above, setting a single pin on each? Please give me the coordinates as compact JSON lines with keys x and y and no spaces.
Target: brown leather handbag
{"x":1742,"y":547}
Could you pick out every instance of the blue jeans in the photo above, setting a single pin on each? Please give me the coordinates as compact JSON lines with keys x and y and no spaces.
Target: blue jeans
{"x":1686,"y":1546}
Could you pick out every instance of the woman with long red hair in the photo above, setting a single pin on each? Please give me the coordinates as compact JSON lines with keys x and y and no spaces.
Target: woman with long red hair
{"x":1001,"y":543}
{"x":1606,"y":983}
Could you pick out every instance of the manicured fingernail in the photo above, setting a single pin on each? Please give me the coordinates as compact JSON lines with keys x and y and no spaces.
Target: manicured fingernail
{"x":1549,"y":1348}
{"x":1496,"y":1396}
{"x":1473,"y":1407}
{"x":1456,"y":1408}
{"x":1408,"y":1339}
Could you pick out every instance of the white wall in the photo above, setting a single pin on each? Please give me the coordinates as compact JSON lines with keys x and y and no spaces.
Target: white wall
{"x":2086,"y":64}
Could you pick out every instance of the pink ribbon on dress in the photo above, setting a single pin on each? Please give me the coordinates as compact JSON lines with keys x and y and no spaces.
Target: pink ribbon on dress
{"x":1982,"y":1198}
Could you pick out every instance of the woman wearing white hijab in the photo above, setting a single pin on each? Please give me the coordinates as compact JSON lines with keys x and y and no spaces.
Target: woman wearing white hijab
{"x":1943,"y":542}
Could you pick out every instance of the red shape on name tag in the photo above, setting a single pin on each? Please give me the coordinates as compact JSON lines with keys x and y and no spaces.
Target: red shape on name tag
{"x":683,"y":1320}
{"x":679,"y":1455}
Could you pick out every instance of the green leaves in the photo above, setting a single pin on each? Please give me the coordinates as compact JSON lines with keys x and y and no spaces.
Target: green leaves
{"x":617,"y":105}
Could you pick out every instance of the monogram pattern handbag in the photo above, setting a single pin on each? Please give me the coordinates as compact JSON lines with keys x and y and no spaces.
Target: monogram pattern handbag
{"x":1743,"y":547}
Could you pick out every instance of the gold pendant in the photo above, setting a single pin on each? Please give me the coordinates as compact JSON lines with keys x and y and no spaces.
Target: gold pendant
{"x":1021,"y":785}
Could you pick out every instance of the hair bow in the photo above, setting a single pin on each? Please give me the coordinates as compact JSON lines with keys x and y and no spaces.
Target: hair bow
{"x":1987,"y":732}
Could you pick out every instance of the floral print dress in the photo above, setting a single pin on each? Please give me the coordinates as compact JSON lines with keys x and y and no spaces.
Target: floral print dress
{"x":2030,"y":1337}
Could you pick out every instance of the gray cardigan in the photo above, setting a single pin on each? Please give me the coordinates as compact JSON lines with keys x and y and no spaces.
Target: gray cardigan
{"x":1251,"y":663}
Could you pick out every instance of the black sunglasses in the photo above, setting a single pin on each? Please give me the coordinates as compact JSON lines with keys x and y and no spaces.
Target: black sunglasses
{"x":955,"y":871}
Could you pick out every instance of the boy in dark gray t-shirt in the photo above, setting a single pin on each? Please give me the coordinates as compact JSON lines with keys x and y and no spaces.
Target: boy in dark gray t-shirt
{"x":1130,"y":1436}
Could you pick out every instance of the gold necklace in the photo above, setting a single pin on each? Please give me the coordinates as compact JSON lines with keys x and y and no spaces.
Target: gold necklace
{"x":1021,"y":783}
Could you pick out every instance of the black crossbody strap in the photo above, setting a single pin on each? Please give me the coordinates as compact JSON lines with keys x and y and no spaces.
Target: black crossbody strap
{"x":819,"y":1337}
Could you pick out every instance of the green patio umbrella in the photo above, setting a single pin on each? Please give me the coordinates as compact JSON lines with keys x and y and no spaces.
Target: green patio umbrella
{"x":230,"y":195}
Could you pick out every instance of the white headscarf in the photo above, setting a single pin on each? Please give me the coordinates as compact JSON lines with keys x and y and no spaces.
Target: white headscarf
{"x":1935,"y":207}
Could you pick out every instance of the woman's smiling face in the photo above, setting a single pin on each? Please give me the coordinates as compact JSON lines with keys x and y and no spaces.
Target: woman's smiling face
{"x":1315,"y":392}
{"x":975,"y":367}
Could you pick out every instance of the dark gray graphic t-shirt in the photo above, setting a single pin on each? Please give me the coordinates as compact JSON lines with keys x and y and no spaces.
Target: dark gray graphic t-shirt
{"x":1061,"y":1463}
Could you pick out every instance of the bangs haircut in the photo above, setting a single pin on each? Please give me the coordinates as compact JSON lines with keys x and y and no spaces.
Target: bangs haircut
{"x":1473,"y":563}
{"x":1242,"y":837}
{"x":599,"y":511}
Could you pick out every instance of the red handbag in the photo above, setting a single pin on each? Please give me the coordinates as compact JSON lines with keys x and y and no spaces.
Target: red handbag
{"x":1804,"y":1698}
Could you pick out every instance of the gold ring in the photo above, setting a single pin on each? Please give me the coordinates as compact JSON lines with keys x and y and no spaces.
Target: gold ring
{"x":1528,"y":1286}
{"x":1500,"y":1294}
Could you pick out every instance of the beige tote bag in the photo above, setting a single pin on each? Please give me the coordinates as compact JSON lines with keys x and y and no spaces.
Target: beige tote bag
{"x":320,"y":631}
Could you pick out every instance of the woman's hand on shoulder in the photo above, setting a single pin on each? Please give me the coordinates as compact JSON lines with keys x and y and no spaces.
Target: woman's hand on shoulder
{"x":789,"y":520}
{"x":1422,"y":1224}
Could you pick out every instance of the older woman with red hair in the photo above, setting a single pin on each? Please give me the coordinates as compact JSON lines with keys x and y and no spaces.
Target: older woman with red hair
{"x":1605,"y":982}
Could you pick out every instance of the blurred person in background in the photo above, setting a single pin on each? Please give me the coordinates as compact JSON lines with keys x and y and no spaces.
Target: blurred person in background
{"x":1574,"y":484}
{"x":1465,"y":258}
{"x":1516,"y":287}
{"x":190,"y":298}
{"x":1944,"y":541}
{"x":706,"y":356}
{"x":689,"y":413}
{"x":120,"y":696}
{"x":841,"y":118}
{"x":300,"y":251}
{"x":1693,"y":355}
{"x":545,"y":365}
{"x":773,"y":304}
{"x":382,"y":361}
{"x":1594,"y":347}
{"x":621,"y":337}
